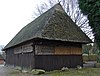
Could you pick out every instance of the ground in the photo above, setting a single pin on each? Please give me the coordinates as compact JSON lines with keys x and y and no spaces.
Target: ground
{"x":9,"y":71}
{"x":6,"y":71}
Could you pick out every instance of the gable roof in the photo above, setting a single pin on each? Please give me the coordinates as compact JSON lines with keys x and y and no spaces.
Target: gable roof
{"x":54,"y":24}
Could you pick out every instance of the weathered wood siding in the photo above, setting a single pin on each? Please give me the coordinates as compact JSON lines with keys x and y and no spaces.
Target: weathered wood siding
{"x":45,"y":54}
{"x":53,"y":62}
{"x":23,"y":60}
{"x":23,"y":48}
{"x":58,"y":50}
{"x":44,"y":47}
{"x":20,"y":57}
{"x":68,"y":50}
{"x":63,"y":54}
{"x":9,"y":57}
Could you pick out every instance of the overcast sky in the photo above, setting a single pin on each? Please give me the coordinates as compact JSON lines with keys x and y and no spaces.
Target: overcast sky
{"x":15,"y":14}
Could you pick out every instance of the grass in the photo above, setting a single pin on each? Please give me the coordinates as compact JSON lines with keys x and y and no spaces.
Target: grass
{"x":74,"y":72}
{"x":18,"y":73}
{"x":70,"y":72}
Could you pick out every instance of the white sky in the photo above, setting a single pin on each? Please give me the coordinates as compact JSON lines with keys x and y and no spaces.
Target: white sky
{"x":15,"y":14}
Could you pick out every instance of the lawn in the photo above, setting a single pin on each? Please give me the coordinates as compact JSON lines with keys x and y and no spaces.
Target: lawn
{"x":70,"y":72}
{"x":74,"y":72}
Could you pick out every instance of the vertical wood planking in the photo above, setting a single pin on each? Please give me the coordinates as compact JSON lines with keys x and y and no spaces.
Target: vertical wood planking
{"x":53,"y":62}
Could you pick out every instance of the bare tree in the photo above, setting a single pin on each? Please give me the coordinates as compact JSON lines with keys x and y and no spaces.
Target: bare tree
{"x":71,"y":7}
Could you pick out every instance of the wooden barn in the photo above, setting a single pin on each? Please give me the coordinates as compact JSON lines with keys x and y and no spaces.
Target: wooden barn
{"x":51,"y":41}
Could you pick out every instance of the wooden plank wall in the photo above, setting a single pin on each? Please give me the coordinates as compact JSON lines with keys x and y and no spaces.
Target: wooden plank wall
{"x":61,"y":58}
{"x":53,"y":62}
{"x":23,"y":48}
{"x":58,"y":50}
{"x":58,"y":47}
{"x":68,"y":50}
{"x":9,"y":57}
{"x":23,"y":60}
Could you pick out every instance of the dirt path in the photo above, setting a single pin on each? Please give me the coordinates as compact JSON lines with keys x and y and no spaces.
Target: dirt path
{"x":4,"y":71}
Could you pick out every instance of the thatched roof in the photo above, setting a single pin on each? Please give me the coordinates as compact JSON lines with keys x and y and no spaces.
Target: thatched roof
{"x":54,"y":24}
